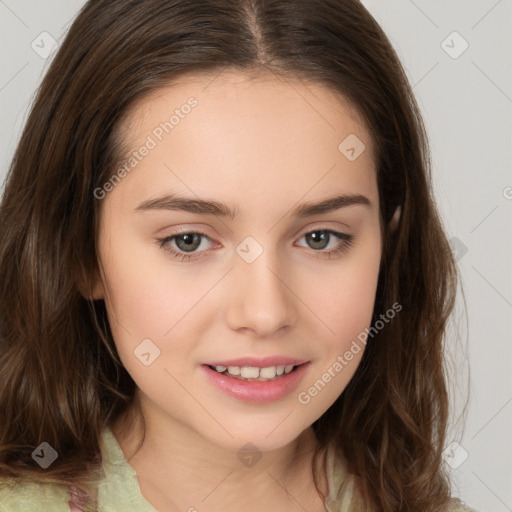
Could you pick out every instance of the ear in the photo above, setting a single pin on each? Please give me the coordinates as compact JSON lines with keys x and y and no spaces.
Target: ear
{"x":91,"y":289}
{"x":393,"y":223}
{"x":97,"y":292}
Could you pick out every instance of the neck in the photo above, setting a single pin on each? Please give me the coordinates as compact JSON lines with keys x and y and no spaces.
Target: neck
{"x":173,"y":462}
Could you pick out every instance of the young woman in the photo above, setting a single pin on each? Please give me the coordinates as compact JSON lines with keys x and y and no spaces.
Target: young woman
{"x":224,"y":283}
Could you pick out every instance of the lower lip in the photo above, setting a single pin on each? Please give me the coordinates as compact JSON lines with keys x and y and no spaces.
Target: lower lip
{"x":257,"y":391}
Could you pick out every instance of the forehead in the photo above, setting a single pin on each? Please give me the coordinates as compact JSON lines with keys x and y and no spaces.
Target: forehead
{"x":238,"y":96}
{"x":246,"y":131}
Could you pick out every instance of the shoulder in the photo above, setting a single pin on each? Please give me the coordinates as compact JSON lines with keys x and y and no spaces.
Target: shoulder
{"x":456,"y":505}
{"x":345,"y":491}
{"x":32,"y":497}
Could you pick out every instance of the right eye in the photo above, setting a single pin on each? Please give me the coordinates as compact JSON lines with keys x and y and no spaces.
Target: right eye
{"x":183,"y":245}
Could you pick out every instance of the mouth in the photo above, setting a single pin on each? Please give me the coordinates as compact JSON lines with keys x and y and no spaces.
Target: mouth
{"x":255,"y":373}
{"x":256,"y":380}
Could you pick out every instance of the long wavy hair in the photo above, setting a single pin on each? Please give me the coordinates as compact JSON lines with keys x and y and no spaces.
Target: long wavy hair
{"x":61,"y":377}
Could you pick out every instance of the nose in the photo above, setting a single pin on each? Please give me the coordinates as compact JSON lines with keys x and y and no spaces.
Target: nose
{"x":261,"y":299}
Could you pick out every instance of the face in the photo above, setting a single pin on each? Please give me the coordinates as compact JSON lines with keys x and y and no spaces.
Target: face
{"x":215,"y":255}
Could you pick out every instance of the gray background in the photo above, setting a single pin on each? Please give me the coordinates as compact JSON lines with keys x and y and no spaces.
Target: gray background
{"x":466,"y":99}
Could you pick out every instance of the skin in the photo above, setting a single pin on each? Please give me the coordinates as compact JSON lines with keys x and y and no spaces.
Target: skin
{"x":262,"y":145}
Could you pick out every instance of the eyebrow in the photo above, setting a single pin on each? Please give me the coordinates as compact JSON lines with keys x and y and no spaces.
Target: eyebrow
{"x":175,"y":202}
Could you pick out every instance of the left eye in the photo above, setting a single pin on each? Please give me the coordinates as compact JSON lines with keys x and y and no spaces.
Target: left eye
{"x":320,"y":238}
{"x":188,"y":245}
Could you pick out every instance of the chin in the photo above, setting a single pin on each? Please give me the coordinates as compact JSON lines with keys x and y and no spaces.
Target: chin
{"x":268,"y":435}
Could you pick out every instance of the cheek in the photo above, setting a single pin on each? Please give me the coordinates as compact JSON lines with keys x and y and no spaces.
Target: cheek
{"x":141,"y":304}
{"x":148,"y":293}
{"x":344,"y":298}
{"x":153,"y":299}
{"x":354,"y":301}
{"x":144,"y":315}
{"x":344,"y":294}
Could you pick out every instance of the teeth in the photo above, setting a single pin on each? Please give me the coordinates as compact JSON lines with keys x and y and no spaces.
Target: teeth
{"x":268,"y":373}
{"x":249,"y":372}
{"x":253,"y":372}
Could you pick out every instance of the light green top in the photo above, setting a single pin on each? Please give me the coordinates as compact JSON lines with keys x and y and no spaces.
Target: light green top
{"x":120,"y":491}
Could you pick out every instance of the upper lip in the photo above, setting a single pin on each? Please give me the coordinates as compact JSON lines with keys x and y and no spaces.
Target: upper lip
{"x":259,"y":362}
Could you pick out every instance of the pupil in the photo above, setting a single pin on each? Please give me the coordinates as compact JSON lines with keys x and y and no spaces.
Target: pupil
{"x":191,"y":242}
{"x":318,"y":237}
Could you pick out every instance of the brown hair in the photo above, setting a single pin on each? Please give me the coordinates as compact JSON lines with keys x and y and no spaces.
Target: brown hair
{"x":62,"y":379}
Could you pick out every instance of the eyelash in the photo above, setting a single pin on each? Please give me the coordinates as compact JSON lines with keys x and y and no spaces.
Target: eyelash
{"x":347,"y":242}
